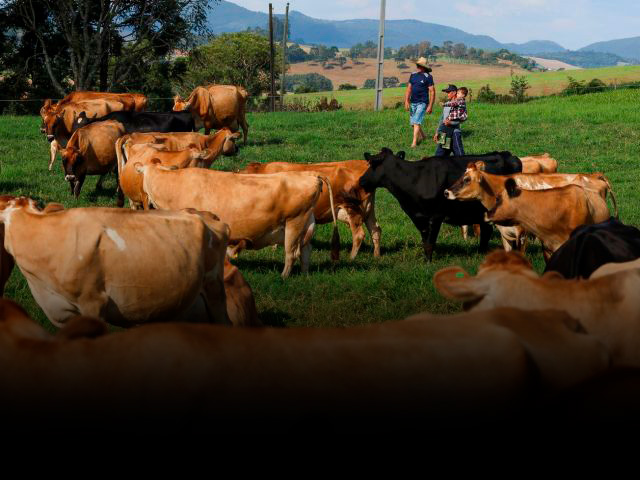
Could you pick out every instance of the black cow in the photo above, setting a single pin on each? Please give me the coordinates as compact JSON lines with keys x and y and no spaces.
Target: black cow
{"x":144,"y":121}
{"x":419,"y":188}
{"x":591,"y":246}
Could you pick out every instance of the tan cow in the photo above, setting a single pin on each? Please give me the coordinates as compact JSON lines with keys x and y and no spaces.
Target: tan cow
{"x":476,"y":184}
{"x":143,"y":153}
{"x":6,"y":260}
{"x":241,"y":305}
{"x":130,"y":101}
{"x":216,"y":106}
{"x":261,"y":210}
{"x":432,"y":371}
{"x":551,"y":215}
{"x":354,"y":205}
{"x":91,"y":151}
{"x":607,"y":306}
{"x":124,"y":267}
{"x":59,"y":125}
{"x":543,"y":163}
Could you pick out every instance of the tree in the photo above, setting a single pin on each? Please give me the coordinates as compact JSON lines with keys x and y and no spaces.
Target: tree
{"x":308,"y":82}
{"x":105,"y":40}
{"x":519,"y":87}
{"x":459,"y":50}
{"x":232,"y":58}
{"x":295,"y":54}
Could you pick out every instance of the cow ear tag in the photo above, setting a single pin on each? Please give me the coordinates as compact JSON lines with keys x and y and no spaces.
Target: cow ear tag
{"x":459,"y":275}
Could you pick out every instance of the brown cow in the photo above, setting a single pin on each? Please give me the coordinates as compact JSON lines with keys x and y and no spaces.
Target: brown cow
{"x":543,"y":163}
{"x":6,"y":260}
{"x":478,"y":185}
{"x":91,"y":151}
{"x":261,"y":210}
{"x":130,"y":101}
{"x":222,"y":142}
{"x":354,"y":205}
{"x":216,"y":106}
{"x":241,"y":305}
{"x":124,"y":267}
{"x":551,"y":215}
{"x":129,"y":155}
{"x":429,"y":371}
{"x":608,"y":306}
{"x":58,"y":126}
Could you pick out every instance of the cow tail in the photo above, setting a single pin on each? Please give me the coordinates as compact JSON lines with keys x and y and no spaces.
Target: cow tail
{"x":120,"y":154}
{"x":335,"y":236}
{"x":613,"y":197}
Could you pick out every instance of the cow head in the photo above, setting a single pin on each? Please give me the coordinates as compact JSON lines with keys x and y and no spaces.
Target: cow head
{"x":82,"y":120}
{"x":499,"y":269}
{"x":179,"y":104}
{"x":375,"y":174}
{"x":504,"y":211}
{"x":467,"y":187}
{"x":75,"y":169}
{"x":50,"y":124}
{"x":229,"y":147}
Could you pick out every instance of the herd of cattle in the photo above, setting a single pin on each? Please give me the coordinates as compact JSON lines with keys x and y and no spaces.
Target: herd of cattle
{"x":527,"y":346}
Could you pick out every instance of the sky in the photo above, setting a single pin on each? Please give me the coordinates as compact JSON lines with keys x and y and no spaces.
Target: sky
{"x":571,"y":23}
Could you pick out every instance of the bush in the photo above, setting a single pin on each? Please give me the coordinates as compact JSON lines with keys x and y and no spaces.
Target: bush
{"x":596,"y":85}
{"x":486,"y":95}
{"x":347,"y":86}
{"x":574,"y":87}
{"x":369,"y":83}
{"x":519,"y":87}
{"x":311,"y":105}
{"x":402,"y":66}
{"x":387,"y":82}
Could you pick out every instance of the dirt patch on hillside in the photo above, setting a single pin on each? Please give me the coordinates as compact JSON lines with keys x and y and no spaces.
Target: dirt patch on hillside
{"x":443,"y":73}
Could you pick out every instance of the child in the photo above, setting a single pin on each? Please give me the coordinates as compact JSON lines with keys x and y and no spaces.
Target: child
{"x":448,"y":136}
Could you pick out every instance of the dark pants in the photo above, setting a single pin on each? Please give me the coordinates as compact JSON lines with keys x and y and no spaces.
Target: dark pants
{"x":456,"y":144}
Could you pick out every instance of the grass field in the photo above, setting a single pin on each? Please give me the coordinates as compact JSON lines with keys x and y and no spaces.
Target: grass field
{"x":588,"y":133}
{"x":542,"y":83}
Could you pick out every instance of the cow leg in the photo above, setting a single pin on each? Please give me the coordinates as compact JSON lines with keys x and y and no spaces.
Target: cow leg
{"x":53,"y":151}
{"x":431,"y":235}
{"x":295,"y":231}
{"x":465,"y":232}
{"x":100,"y":180}
{"x":119,"y":192}
{"x":485,"y":235}
{"x":245,"y":128}
{"x":354,"y":220}
{"x":215,"y":300}
{"x":372,"y":225}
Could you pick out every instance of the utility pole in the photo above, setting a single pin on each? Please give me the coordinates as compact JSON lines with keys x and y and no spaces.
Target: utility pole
{"x":284,"y":57}
{"x":272,"y":66}
{"x":380,"y":78}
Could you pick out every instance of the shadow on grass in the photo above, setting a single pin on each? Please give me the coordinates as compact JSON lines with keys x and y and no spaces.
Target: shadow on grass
{"x":102,"y":192}
{"x":274,"y":318}
{"x":10,"y":186}
{"x":261,"y":143}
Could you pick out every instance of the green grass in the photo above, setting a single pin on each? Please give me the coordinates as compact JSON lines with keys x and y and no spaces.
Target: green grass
{"x":587,"y":133}
{"x":542,"y":83}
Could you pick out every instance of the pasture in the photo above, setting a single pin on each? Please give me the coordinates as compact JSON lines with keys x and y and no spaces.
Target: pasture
{"x":542,"y":83}
{"x":588,"y":133}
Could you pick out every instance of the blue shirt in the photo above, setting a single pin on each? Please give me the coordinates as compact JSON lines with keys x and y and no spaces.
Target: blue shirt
{"x":420,"y":83}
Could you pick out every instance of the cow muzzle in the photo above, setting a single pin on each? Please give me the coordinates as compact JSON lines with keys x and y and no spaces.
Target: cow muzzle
{"x":70,"y":178}
{"x":50,"y":138}
{"x":449,"y":195}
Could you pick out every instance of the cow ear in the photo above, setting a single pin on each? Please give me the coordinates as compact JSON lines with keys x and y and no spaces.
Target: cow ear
{"x":367,"y":157}
{"x":511,"y":187}
{"x":455,"y":283}
{"x":472,"y":166}
{"x":401,"y":154}
{"x":139,"y":167}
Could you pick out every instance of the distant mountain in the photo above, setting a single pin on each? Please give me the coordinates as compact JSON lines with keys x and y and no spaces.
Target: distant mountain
{"x":534,"y":46}
{"x":229,"y":17}
{"x":624,"y":47}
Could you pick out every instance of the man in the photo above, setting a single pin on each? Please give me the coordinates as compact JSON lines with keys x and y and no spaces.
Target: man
{"x":448,"y":135}
{"x":419,"y":98}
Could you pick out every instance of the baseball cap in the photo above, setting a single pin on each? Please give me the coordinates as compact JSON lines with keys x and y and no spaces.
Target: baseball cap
{"x":450,"y":88}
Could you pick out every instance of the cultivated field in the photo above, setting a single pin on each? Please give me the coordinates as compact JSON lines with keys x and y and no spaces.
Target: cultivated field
{"x":585,"y":133}
{"x":542,"y":83}
{"x":445,"y":72}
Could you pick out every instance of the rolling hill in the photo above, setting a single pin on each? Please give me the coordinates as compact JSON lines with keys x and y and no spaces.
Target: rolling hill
{"x":229,"y":17}
{"x":628,"y":48}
